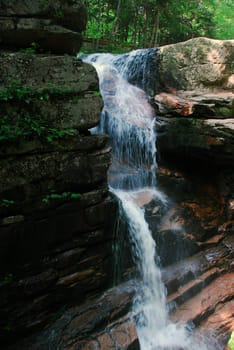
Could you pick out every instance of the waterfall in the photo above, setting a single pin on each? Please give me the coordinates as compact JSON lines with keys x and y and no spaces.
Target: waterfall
{"x":130,"y":121}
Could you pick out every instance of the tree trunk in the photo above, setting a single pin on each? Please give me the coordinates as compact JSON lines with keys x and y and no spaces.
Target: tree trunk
{"x":155,"y":31}
{"x":116,"y":21}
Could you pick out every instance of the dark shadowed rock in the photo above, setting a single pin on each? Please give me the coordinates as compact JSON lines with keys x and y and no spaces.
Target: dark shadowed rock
{"x":102,"y":323}
{"x":71,"y":14}
{"x":54,"y":26}
{"x":49,"y":37}
{"x":56,"y":214}
{"x":210,"y":140}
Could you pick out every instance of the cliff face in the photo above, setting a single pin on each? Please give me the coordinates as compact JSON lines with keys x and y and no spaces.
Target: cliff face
{"x":56,"y":214}
{"x":195,"y":127}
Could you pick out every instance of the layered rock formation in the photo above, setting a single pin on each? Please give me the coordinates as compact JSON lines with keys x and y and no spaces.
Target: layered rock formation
{"x":56,"y":213}
{"x":53,"y":26}
{"x":195,"y":100}
{"x":57,"y":216}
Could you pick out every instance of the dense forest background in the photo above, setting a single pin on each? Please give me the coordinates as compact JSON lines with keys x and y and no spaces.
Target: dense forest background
{"x":144,"y":23}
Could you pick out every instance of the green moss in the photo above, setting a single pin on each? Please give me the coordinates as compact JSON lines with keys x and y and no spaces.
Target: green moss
{"x":6,"y":202}
{"x":31,"y":50}
{"x":225,"y":112}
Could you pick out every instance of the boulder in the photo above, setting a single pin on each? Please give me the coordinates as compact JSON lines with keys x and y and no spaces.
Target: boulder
{"x":25,"y":177}
{"x":194,"y":104}
{"x":60,"y":95}
{"x":199,"y":63}
{"x":195,"y":101}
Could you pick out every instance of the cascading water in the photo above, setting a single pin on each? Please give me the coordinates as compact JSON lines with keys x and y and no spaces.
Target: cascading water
{"x":129,"y":120}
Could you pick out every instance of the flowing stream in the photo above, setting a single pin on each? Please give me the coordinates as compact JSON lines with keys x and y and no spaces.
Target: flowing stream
{"x":130,"y":121}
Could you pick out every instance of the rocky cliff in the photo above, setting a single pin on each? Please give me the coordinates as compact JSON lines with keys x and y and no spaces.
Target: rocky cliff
{"x":56,"y":214}
{"x":195,"y":125}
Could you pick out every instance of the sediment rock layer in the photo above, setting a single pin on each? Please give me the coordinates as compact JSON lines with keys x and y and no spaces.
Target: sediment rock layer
{"x":56,"y":214}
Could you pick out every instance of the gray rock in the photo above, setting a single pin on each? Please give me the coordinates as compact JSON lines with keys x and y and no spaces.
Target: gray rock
{"x":39,"y":72}
{"x":71,"y":14}
{"x":66,"y":89}
{"x":52,"y":26}
{"x":47,"y":36}
{"x":197,"y":63}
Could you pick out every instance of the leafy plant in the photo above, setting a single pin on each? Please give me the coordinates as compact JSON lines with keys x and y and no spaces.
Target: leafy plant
{"x":6,"y":202}
{"x":26,"y":127}
{"x":30,"y":50}
{"x":96,"y":93}
{"x":64,"y":195}
{"x":13,"y":127}
{"x":7,"y":279}
{"x":15,"y":90}
{"x":55,"y":133}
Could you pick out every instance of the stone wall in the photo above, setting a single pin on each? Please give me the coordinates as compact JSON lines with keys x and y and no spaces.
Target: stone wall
{"x":56,"y":213}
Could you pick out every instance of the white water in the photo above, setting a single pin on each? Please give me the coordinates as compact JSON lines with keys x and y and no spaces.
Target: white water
{"x":129,"y":120}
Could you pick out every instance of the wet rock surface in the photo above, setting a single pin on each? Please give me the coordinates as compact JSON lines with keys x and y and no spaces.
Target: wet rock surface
{"x":200,"y":287}
{"x":98,"y":324}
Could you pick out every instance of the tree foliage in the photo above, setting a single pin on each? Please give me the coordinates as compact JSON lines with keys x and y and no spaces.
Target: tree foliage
{"x":223,"y":18}
{"x":147,"y":23}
